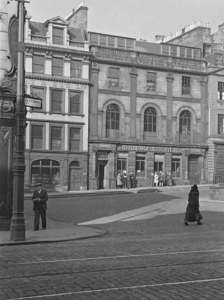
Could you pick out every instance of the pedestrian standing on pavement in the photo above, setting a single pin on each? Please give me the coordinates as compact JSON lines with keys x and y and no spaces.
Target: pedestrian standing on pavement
{"x":124,"y":180}
{"x":192,"y":213}
{"x":131,"y":180}
{"x":156,"y":179}
{"x":161,"y":178}
{"x":119,"y":181}
{"x":152,"y":179}
{"x":40,"y":198}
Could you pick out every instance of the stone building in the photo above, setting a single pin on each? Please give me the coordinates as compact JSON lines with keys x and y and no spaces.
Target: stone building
{"x":198,"y":34}
{"x":8,"y":44}
{"x":148,"y":105}
{"x":57,"y":71}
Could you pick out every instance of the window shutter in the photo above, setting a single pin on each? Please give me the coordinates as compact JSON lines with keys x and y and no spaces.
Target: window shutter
{"x":57,"y":62}
{"x":151,"y":76}
{"x":111,"y":41}
{"x":120,"y":43}
{"x":114,"y":72}
{"x":38,"y":60}
{"x":58,"y":32}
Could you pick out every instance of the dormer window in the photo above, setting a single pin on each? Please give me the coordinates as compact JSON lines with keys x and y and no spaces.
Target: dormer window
{"x":58,"y":36}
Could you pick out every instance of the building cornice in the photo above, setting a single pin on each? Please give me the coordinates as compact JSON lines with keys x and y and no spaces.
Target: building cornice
{"x":30,"y":47}
{"x":56,"y":79}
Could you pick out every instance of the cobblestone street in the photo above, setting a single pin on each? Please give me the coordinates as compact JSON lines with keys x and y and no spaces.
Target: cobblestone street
{"x":155,"y":258}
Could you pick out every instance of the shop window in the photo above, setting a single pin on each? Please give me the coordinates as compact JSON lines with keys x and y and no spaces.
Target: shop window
{"x":189,"y":53}
{"x":56,"y":138}
{"x":140,"y":165}
{"x":38,"y":64}
{"x":186,"y":85}
{"x":58,"y":36}
{"x":220,"y":123}
{"x":57,"y":66}
{"x":182,"y":52}
{"x":113,"y":121}
{"x":103,"y":40}
{"x":111,"y":41}
{"x":76,"y":69}
{"x":185,"y":126}
{"x":46,"y":171}
{"x":113,"y":77}
{"x":151,"y":82}
{"x":220,"y":90}
{"x":158,"y":163}
{"x":75,"y":102}
{"x":94,"y":39}
{"x":130,"y":44}
{"x":121,"y":43}
{"x":150,"y":120}
{"x":121,"y":165}
{"x":39,"y":92}
{"x":36,"y":136}
{"x":56,"y":100}
{"x":173,"y":51}
{"x":176,"y":167}
{"x":196,"y":53}
{"x":165,"y":49}
{"x":74,"y":139}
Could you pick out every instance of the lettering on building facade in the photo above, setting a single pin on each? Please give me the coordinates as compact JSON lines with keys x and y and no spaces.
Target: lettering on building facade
{"x":149,"y":149}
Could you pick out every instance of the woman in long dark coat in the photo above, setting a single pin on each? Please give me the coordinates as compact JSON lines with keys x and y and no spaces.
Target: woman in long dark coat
{"x":192,"y":213}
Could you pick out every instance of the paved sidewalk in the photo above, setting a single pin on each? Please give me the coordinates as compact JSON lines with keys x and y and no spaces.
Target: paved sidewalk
{"x":63,"y":231}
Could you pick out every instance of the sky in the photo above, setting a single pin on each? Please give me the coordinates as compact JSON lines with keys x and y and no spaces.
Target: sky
{"x":140,"y":19}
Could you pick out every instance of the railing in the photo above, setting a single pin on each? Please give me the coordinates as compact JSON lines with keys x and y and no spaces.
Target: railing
{"x":38,"y":38}
{"x":74,"y":44}
{"x":218,"y":179}
{"x":148,"y":59}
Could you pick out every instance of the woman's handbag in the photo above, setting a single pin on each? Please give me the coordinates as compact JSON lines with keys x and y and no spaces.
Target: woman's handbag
{"x":198,"y":216}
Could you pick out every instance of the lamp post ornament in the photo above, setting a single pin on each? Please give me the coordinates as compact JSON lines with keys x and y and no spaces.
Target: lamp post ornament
{"x":17,"y":229}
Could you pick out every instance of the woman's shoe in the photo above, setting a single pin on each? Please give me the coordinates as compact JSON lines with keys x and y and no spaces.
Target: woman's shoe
{"x":200,"y":223}
{"x":186,"y":223}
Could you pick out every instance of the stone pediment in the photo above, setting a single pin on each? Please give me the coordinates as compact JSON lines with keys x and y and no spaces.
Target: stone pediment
{"x":56,"y":20}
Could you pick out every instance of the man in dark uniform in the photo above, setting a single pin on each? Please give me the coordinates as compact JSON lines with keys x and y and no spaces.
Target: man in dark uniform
{"x":40,"y":198}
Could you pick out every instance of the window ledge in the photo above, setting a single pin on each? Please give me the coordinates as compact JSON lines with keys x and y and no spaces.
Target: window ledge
{"x":76,"y":115}
{"x":57,"y":113}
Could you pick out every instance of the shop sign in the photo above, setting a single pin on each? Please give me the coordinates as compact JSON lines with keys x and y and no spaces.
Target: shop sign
{"x":33,"y":101}
{"x":102,"y":154}
{"x":149,"y":149}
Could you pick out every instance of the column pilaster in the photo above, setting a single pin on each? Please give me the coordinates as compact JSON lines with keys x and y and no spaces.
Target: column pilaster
{"x":94,"y":102}
{"x":133,"y":79}
{"x":169,"y":78}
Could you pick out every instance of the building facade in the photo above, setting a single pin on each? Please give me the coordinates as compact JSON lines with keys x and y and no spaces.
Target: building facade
{"x":57,"y":71}
{"x":148,"y":105}
{"x":198,"y":34}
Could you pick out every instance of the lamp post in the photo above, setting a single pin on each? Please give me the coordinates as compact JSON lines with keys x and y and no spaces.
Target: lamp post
{"x":17,"y":229}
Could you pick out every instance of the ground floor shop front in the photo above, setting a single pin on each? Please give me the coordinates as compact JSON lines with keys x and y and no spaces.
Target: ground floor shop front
{"x":57,"y":171}
{"x":186,"y":164}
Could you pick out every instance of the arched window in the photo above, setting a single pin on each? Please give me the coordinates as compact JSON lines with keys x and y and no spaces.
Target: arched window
{"x":45,"y":170}
{"x":185,"y":126}
{"x":113,"y":121}
{"x":150,"y":120}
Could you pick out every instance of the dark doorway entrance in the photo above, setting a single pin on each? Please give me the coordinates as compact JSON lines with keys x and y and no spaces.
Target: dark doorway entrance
{"x":101,"y":176}
{"x":194,"y":170}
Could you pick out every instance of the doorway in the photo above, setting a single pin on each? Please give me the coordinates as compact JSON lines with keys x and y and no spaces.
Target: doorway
{"x":194,"y":170}
{"x":74,"y":176}
{"x":103,"y":174}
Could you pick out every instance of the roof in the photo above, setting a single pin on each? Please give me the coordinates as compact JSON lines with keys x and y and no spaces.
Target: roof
{"x":75,"y":34}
